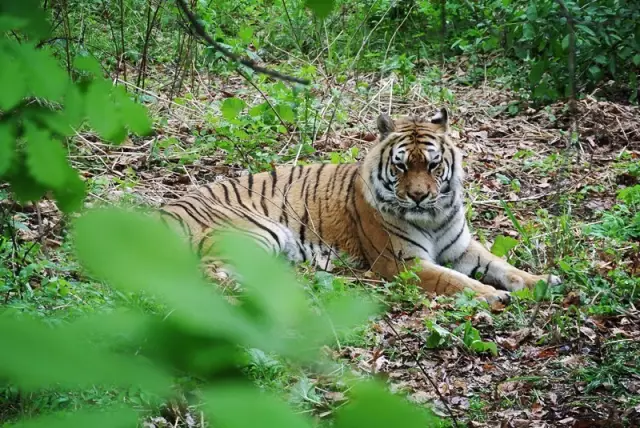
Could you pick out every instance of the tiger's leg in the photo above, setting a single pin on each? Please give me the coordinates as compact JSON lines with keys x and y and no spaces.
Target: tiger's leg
{"x":477,"y":261}
{"x":441,"y":280}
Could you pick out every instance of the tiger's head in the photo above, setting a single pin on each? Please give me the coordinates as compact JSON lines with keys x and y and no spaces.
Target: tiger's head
{"x":415,"y":171}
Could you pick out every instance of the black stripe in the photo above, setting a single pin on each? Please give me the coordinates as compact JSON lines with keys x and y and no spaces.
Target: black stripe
{"x":237,"y":193}
{"x":274,"y":178}
{"x":302,"y":253}
{"x":250,"y":187}
{"x":452,"y":215}
{"x":475,"y":269}
{"x":250,"y":183}
{"x":261,"y":226}
{"x":356,"y":219}
{"x":486,"y":269}
{"x":450,"y":244}
{"x":211,"y":194}
{"x":184,"y":226}
{"x":226,"y":193}
{"x":315,"y":187}
{"x":304,"y":195}
{"x":335,"y":179}
{"x":406,"y":238}
{"x":263,"y":202}
{"x":190,"y":209}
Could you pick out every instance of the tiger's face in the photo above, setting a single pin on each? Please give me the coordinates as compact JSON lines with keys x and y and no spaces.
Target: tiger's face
{"x":418,"y":165}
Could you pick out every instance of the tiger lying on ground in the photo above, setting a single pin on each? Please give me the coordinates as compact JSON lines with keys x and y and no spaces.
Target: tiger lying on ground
{"x":403,"y":202}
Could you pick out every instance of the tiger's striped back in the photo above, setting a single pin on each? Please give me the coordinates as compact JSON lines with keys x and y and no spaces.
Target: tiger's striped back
{"x":304,"y":212}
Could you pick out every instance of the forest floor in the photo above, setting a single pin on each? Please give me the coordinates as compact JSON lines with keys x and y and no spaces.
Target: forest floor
{"x":567,"y":358}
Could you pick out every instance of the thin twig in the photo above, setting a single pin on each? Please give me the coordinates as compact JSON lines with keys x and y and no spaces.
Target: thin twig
{"x":200,"y":31}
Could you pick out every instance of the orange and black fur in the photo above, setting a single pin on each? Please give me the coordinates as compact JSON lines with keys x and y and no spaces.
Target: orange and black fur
{"x":403,"y":202}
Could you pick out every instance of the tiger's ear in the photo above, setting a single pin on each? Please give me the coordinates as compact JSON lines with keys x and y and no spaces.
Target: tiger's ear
{"x":441,"y":118}
{"x":385,"y":126}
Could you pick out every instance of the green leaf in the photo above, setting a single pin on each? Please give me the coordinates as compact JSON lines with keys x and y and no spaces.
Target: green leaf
{"x":134,"y":252}
{"x":134,"y":114}
{"x":33,"y":14}
{"x":537,"y":71}
{"x":286,"y":112}
{"x":373,"y":407}
{"x":88,"y":64}
{"x":245,"y":34}
{"x":13,"y":86}
{"x":565,"y":42}
{"x":46,"y":157}
{"x":64,"y":356}
{"x":272,"y":286}
{"x":7,"y":146}
{"x":321,"y":8}
{"x":45,"y":78}
{"x":23,"y":184}
{"x":8,"y":23}
{"x":540,"y":290}
{"x":70,"y":196}
{"x":228,"y":403}
{"x":258,"y":110}
{"x":636,"y":59}
{"x":595,"y":72}
{"x":231,"y":107}
{"x":532,"y":12}
{"x":502,"y":245}
{"x":480,"y":346}
{"x":103,"y":418}
{"x":102,"y":115}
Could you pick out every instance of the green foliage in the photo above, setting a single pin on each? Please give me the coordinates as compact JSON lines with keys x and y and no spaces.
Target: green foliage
{"x":361,"y":413}
{"x":502,"y":245}
{"x":623,"y":221}
{"x":40,"y":106}
{"x":198,"y":335}
{"x":321,"y":8}
{"x":465,"y":334}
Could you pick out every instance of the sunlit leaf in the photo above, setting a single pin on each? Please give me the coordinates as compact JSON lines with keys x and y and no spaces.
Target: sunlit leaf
{"x":502,"y":245}
{"x":231,"y":107}
{"x":245,"y":34}
{"x":285,"y":112}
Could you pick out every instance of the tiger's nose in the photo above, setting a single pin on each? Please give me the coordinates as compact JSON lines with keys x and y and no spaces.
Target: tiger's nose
{"x":417,"y":197}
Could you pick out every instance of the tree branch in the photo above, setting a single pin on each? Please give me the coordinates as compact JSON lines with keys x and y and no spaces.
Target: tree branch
{"x":199,"y":29}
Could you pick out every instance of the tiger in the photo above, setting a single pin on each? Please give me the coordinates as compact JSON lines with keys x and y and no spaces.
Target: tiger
{"x":402,"y":204}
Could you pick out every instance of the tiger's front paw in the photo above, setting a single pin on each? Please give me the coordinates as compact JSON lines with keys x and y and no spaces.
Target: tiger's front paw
{"x":495,"y":296}
{"x":519,"y":280}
